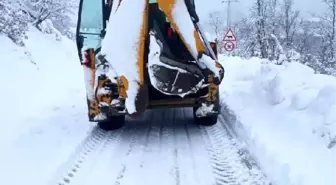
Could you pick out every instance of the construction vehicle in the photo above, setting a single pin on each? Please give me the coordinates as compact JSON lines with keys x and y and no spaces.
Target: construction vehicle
{"x":177,"y":79}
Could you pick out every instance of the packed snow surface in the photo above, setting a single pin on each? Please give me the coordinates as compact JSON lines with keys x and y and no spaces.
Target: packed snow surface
{"x":286,"y":116}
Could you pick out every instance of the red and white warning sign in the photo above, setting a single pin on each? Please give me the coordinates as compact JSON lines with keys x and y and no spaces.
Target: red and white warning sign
{"x":230,"y":40}
{"x":229,"y":46}
{"x":229,"y":36}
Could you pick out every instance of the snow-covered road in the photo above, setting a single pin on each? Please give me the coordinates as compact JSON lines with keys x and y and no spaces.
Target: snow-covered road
{"x":162,"y":147}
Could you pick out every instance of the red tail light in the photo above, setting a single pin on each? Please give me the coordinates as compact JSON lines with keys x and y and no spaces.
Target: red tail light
{"x":170,"y":32}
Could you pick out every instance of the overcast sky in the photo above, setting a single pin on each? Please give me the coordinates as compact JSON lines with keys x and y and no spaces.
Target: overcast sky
{"x":242,"y":7}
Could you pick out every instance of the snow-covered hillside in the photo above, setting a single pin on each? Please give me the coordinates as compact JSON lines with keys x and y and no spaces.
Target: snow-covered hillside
{"x":42,"y":76}
{"x":43,"y":108}
{"x":286,"y":116}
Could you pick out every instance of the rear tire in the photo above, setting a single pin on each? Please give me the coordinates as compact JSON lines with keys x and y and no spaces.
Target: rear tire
{"x":112,"y":123}
{"x":205,"y":121}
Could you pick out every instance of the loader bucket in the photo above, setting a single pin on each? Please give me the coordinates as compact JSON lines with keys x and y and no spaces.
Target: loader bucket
{"x":177,"y":72}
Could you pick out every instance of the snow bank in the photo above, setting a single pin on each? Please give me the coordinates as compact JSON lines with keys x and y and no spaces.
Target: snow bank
{"x":286,"y":116}
{"x":43,"y":113}
{"x":37,"y":80}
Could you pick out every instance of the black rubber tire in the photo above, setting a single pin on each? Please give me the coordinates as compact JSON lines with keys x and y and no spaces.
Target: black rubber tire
{"x":113,"y":123}
{"x":205,"y":121}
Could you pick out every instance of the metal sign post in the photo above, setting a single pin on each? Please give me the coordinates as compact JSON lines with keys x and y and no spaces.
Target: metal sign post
{"x":229,"y":39}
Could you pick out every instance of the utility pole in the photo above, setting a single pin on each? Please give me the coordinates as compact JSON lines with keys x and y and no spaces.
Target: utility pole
{"x":228,"y":21}
{"x":228,"y":17}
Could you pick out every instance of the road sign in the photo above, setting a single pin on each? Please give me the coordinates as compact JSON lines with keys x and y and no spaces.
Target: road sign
{"x":229,"y":36}
{"x":229,"y":46}
{"x":230,"y":40}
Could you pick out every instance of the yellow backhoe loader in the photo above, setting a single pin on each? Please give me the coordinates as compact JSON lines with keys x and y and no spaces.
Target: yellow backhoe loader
{"x":176,"y":65}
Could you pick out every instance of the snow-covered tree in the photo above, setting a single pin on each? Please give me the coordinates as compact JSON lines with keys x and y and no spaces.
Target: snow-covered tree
{"x":275,"y":30}
{"x":49,"y":16}
{"x":316,"y":40}
{"x":330,"y":18}
{"x":271,"y":31}
{"x":260,"y":8}
{"x":247,"y":41}
{"x":13,"y":21}
{"x":289,"y":20}
{"x":216,"y":22}
{"x":58,"y":12}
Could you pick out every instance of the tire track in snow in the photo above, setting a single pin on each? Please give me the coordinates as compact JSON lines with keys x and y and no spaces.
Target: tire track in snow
{"x":229,"y":167}
{"x":92,"y":143}
{"x":168,"y":171}
{"x":183,"y":150}
{"x":163,"y":147}
{"x":95,"y":162}
{"x":133,"y":161}
{"x":223,"y":172}
{"x":91,"y":176}
{"x":151,"y":155}
{"x":175,"y":151}
{"x":125,"y":151}
{"x":198,"y":149}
